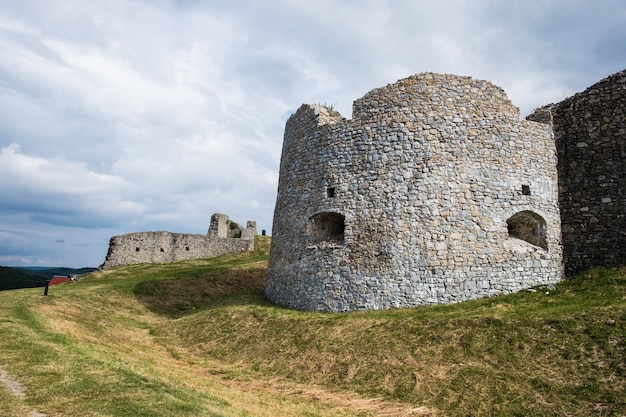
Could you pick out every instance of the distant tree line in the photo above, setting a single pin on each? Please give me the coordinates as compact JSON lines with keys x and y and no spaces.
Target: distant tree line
{"x":13,"y":278}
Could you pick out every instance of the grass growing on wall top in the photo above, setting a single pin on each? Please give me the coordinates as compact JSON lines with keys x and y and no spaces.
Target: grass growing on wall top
{"x":200,"y":338}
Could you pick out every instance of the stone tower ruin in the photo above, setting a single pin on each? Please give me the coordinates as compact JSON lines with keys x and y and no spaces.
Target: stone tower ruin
{"x":434,"y":192}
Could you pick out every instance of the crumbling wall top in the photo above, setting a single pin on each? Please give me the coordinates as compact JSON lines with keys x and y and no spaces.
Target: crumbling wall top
{"x":314,"y":115}
{"x":431,"y":93}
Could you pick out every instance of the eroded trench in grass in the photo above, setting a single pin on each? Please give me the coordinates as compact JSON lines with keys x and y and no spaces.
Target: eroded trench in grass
{"x":178,"y":297}
{"x":472,"y":361}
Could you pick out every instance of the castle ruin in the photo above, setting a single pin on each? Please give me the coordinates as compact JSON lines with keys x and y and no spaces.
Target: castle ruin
{"x":590,"y":134}
{"x":434,"y":192}
{"x":223,"y":237}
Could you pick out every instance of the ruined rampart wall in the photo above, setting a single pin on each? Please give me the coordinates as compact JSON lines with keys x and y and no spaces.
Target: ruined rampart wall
{"x":165,"y":247}
{"x":590,"y":133}
{"x":430,"y":194}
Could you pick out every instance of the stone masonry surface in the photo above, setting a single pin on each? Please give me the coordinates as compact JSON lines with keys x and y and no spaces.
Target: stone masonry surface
{"x":590,"y":134}
{"x":434,"y":192}
{"x":223,"y":237}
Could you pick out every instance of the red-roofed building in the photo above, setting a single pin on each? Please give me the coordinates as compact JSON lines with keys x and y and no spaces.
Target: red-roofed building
{"x":59,"y":279}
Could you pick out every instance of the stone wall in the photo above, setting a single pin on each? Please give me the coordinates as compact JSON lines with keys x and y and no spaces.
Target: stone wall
{"x":165,"y":247}
{"x":590,"y":133}
{"x":435,"y":192}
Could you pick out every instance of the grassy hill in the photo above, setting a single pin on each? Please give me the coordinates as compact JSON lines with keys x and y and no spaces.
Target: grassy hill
{"x":12,"y":278}
{"x":198,"y":338}
{"x":50,"y":272}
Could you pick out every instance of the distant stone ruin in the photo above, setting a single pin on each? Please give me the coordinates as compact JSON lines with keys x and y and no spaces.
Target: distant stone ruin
{"x":223,"y":237}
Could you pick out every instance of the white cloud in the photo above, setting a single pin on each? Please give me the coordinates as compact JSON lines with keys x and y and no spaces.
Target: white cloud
{"x":55,"y":186}
{"x":127,"y":115}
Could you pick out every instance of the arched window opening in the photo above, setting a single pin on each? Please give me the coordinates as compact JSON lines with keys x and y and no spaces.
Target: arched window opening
{"x":326,"y":227}
{"x":528,"y":226}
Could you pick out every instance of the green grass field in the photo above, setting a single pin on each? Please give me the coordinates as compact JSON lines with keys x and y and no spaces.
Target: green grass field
{"x":199,"y":338}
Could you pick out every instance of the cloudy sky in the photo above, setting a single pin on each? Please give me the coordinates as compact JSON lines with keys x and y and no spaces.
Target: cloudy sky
{"x":126,"y":115}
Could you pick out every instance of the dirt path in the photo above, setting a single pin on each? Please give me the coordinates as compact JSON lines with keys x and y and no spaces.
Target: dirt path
{"x":15,"y":388}
{"x":12,"y":384}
